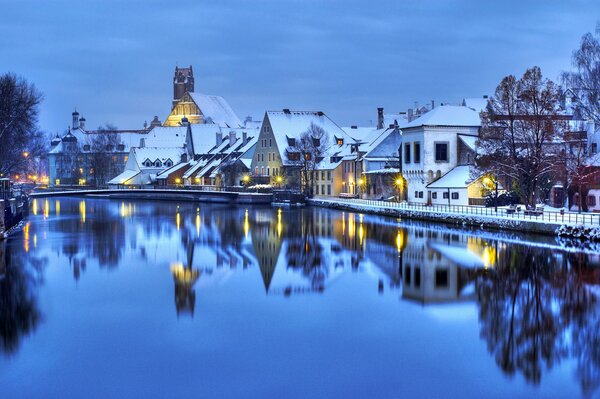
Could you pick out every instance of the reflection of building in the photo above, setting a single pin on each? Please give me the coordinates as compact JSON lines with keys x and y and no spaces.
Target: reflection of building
{"x":185,"y":295}
{"x":266,"y":239}
{"x":441,"y":267}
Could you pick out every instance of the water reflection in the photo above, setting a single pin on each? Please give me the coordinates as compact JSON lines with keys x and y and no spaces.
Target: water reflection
{"x":537,"y":305}
{"x":19,"y":310}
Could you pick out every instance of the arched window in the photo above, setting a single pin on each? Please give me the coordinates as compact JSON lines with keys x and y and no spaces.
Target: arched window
{"x":267,"y":171}
{"x":256,"y":170}
{"x":157,"y":163}
{"x":262,"y":171}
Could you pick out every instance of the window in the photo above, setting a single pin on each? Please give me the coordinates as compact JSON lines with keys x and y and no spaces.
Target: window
{"x":110,"y":147}
{"x":270,"y":142}
{"x":256,"y":170}
{"x":407,"y":153}
{"x":293,"y":156}
{"x":454,"y":196}
{"x":267,"y":171}
{"x":307,"y":156}
{"x":591,"y":200}
{"x":434,"y":195}
{"x":407,"y":275}
{"x":441,"y":278}
{"x":323,"y":175}
{"x":594,"y":148}
{"x":329,"y":189}
{"x":317,"y":176}
{"x":417,"y":150}
{"x":445,"y":195}
{"x":86,"y":147}
{"x":416,"y":194}
{"x":441,"y":152}
{"x":262,"y":171}
{"x":340,"y":141}
{"x":328,"y":175}
{"x":417,"y":277}
{"x":121,"y":147}
{"x":316,"y":141}
{"x":420,"y":194}
{"x":157,"y":163}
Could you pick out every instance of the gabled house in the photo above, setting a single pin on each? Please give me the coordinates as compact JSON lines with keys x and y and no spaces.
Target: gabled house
{"x":276,"y":157}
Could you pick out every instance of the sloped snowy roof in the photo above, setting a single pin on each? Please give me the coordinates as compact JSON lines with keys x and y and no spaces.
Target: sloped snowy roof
{"x":217,"y":109}
{"x":459,"y":177}
{"x":164,"y":174}
{"x":293,"y":123}
{"x":204,"y":137}
{"x":479,"y":104}
{"x":448,"y":115}
{"x":128,"y":174}
{"x":470,"y":141}
{"x":166,"y":136}
{"x":161,"y":153}
{"x":459,"y":255}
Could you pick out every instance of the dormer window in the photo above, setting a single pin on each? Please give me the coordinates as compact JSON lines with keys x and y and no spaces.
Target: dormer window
{"x":121,"y":147}
{"x":168,"y":163}
{"x":307,"y":156}
{"x":110,"y":147}
{"x":157,"y":163}
{"x":147,"y":163}
{"x":291,"y":141}
{"x":86,"y":147}
{"x":339,"y":140}
{"x":293,"y":156}
{"x":316,"y":141}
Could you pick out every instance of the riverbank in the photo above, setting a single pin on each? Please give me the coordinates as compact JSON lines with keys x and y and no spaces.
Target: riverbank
{"x":483,"y":221}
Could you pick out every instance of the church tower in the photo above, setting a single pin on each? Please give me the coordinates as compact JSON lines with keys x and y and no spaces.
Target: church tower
{"x":183,"y":82}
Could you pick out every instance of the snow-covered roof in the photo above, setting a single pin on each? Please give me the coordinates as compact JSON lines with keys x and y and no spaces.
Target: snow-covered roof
{"x":459,"y":177}
{"x":161,"y":153}
{"x":165,"y":173}
{"x":448,"y":115}
{"x":469,"y":141}
{"x":127,"y":175}
{"x":166,"y":136}
{"x":217,"y":109}
{"x":204,"y":137}
{"x":479,"y":104}
{"x":291,"y":124}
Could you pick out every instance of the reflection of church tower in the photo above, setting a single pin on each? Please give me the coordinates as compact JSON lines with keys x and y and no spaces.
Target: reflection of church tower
{"x":183,"y":82}
{"x":185,"y":296}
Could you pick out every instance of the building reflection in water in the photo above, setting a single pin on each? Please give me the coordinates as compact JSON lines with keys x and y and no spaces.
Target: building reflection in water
{"x":537,"y":306}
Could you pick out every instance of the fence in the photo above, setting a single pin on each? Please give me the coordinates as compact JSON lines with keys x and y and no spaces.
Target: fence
{"x":546,"y":216}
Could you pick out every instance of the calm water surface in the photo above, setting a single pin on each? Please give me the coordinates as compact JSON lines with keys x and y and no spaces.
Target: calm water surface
{"x":106,"y":298}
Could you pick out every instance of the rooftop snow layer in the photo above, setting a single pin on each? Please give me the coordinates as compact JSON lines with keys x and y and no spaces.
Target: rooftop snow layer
{"x":217,"y":109}
{"x":448,"y":115}
{"x":459,"y":177}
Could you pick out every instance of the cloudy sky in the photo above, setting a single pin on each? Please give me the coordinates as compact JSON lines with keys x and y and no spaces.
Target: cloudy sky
{"x":114,"y":59}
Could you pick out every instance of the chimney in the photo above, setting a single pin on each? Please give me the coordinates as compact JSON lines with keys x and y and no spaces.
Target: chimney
{"x":380,"y":118}
{"x":244,"y":138}
{"x":82,"y":123}
{"x":485,"y":96}
{"x":286,"y":111}
{"x":142,"y":142}
{"x":75,"y":116}
{"x":232,"y":138}
{"x":354,"y":127}
{"x":184,"y":157}
{"x":410,"y":115}
{"x":432,"y":104}
{"x":219,"y":138}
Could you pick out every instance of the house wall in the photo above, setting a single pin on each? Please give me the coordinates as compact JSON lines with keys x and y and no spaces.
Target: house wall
{"x":463,"y":198}
{"x":328,"y":182}
{"x":419,"y":174}
{"x":267,"y":161}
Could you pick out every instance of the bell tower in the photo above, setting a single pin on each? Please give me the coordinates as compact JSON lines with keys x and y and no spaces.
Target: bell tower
{"x":183,"y":82}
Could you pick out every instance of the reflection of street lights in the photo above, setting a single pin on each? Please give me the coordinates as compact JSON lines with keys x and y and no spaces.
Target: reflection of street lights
{"x":361,"y":184}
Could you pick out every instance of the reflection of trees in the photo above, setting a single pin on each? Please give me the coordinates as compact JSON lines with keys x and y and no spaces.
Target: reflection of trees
{"x":19,"y":313}
{"x":305,"y":252}
{"x":536,"y":311}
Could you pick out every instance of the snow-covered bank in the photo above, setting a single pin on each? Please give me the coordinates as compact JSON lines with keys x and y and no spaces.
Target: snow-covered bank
{"x":481,"y":221}
{"x":586,"y":233}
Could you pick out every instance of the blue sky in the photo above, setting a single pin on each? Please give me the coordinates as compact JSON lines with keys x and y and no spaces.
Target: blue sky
{"x":114,"y":60}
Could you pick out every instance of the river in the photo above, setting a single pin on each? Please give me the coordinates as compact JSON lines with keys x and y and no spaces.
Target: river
{"x":103,"y":298}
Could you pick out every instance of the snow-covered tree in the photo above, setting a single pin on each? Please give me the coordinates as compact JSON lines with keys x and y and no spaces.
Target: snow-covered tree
{"x":584,"y":80}
{"x":308,"y":151}
{"x":522,"y":128}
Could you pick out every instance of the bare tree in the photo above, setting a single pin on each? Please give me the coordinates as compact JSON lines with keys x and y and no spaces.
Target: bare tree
{"x":584,"y":80}
{"x":308,"y":151}
{"x":102,"y":146}
{"x":21,"y":141}
{"x":520,"y":131}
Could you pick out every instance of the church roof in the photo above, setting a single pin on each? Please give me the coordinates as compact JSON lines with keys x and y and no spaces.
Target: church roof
{"x":216,"y":109}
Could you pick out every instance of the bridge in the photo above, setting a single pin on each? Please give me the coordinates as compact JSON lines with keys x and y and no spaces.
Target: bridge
{"x":166,"y":194}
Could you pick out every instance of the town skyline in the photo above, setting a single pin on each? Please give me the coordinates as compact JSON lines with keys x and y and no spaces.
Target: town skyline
{"x":263,"y":58}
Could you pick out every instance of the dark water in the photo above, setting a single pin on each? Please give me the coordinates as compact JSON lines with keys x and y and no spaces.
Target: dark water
{"x":103,"y":298}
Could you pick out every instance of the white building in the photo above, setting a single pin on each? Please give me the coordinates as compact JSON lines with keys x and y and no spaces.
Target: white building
{"x":433,"y":146}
